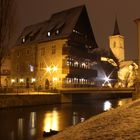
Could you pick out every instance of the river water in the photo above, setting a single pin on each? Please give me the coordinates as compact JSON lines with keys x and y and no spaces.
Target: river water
{"x":28,"y":123}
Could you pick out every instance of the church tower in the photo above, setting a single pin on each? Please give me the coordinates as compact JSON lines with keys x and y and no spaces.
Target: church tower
{"x":116,"y":42}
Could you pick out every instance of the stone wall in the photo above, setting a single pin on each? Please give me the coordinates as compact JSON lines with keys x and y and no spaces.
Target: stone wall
{"x":28,"y":100}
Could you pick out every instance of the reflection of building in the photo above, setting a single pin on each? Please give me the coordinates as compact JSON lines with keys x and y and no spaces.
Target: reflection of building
{"x":57,"y":50}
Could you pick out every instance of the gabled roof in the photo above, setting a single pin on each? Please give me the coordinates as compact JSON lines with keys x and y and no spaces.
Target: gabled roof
{"x":116,"y":28}
{"x":64,"y":21}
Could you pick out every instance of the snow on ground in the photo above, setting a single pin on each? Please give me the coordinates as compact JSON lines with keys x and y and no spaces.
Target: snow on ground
{"x":122,"y":123}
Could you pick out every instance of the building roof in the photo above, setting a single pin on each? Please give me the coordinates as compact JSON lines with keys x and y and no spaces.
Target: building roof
{"x":59,"y":26}
{"x":116,"y":28}
{"x":137,"y":20}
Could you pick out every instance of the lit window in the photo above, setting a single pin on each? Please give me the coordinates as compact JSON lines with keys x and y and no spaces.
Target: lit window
{"x":83,"y":65}
{"x":23,"y":39}
{"x":57,"y":32}
{"x":76,"y":63}
{"x":21,"y":80}
{"x":68,"y":63}
{"x":55,"y":79}
{"x":74,"y":31}
{"x":49,"y":34}
{"x":31,"y":68}
{"x":12,"y":80}
{"x":33,"y":80}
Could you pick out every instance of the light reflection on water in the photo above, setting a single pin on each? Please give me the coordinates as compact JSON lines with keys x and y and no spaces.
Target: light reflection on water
{"x":20,"y":128}
{"x":51,"y":121}
{"x":124,"y":101}
{"x":32,"y":123}
{"x":29,"y":123}
{"x":107,"y":105}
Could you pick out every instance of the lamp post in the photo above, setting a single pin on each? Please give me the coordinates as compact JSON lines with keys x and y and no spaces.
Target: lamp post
{"x":52,"y":69}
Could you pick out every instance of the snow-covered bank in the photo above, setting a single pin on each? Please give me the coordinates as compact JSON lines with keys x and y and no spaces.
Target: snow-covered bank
{"x":122,"y":123}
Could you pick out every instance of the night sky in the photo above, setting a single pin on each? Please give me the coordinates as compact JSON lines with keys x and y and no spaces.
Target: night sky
{"x":101,"y":13}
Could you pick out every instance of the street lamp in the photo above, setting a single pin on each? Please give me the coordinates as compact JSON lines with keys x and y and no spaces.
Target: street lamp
{"x":51,"y":69}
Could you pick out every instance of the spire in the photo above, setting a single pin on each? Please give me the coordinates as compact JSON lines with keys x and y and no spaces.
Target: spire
{"x":116,"y":28}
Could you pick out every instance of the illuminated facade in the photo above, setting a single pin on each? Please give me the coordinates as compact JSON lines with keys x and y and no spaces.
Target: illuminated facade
{"x":6,"y":71}
{"x":56,"y":53}
{"x":127,"y":70}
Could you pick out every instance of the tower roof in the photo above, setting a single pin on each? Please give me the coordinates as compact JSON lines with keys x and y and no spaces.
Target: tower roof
{"x":116,"y":28}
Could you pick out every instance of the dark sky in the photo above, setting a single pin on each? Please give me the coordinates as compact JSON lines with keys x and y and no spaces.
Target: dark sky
{"x":101,"y":13}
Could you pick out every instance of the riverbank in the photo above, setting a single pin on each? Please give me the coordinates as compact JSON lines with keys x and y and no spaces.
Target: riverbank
{"x":28,"y":99}
{"x":46,"y":98}
{"x":122,"y":123}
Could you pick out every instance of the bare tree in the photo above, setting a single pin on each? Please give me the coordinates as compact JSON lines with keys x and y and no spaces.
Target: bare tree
{"x":7,"y":9}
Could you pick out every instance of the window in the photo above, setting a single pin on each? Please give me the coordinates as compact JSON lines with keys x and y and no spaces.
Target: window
{"x":31,"y":68}
{"x":27,"y":51}
{"x":57,"y":32}
{"x":18,"y":53}
{"x":76,"y":64}
{"x":23,"y":39}
{"x":17,"y":68}
{"x":49,"y":34}
{"x":53,"y":49}
{"x":114,"y":45}
{"x":41,"y":65}
{"x":42,"y":51}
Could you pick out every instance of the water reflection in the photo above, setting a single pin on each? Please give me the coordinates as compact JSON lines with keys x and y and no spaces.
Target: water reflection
{"x":29,"y":123}
{"x":12,"y":135}
{"x":51,"y":121}
{"x":20,"y":128}
{"x":75,"y":118}
{"x":124,"y":101}
{"x":32,"y":123}
{"x":107,"y":105}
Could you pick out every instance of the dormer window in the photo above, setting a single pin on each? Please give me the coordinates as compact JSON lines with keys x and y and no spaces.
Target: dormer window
{"x":49,"y":34}
{"x":23,"y":39}
{"x":57,"y":32}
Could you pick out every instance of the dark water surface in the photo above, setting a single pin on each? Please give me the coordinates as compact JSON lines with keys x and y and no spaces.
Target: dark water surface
{"x":28,"y":123}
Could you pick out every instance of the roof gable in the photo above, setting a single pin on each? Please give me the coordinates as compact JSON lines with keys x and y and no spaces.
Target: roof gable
{"x":60,"y":25}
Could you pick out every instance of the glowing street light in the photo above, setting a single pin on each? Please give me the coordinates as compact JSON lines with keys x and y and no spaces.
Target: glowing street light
{"x":107,"y":79}
{"x":48,"y":69}
{"x":51,"y":69}
{"x":54,"y":68}
{"x":21,"y":80}
{"x":12,"y":81}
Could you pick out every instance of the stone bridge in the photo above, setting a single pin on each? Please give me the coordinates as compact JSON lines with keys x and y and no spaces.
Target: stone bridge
{"x":99,"y":92}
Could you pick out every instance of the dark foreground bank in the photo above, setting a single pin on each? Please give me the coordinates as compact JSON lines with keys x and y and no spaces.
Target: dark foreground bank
{"x":122,"y":123}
